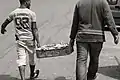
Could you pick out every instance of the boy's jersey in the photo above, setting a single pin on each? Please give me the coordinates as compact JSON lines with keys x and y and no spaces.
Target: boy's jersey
{"x":23,"y":18}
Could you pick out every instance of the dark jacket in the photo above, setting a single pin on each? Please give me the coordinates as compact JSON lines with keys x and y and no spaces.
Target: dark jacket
{"x":89,"y":20}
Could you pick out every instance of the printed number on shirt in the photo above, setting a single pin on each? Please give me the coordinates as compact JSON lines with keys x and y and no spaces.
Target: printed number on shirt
{"x":22,"y":22}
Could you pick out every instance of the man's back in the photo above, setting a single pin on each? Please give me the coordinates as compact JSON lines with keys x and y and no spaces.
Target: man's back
{"x":90,"y":12}
{"x":23,"y":18}
{"x":90,"y":18}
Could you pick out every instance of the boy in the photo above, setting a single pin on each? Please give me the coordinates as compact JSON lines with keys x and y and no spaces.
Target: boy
{"x":26,"y":35}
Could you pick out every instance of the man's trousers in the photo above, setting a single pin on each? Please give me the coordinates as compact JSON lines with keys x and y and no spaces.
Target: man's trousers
{"x":83,"y":49}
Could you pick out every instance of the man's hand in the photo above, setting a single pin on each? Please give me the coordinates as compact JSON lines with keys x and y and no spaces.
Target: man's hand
{"x":3,"y":31}
{"x":71,"y":49}
{"x":71,"y":44}
{"x":116,"y":39}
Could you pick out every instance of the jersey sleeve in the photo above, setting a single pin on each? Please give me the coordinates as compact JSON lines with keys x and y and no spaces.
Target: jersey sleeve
{"x":10,"y":16}
{"x":33,"y":17}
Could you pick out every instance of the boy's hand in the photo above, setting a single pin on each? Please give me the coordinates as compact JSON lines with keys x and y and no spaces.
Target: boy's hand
{"x":3,"y":31}
{"x":38,"y":45}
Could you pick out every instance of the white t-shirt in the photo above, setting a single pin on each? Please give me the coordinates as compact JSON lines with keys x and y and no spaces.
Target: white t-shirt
{"x":23,"y":17}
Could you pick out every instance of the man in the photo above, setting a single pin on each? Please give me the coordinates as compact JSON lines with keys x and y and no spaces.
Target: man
{"x":90,"y":18}
{"x":26,"y":35}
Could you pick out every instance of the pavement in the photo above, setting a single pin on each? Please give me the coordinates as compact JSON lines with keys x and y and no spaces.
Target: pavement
{"x":54,"y":18}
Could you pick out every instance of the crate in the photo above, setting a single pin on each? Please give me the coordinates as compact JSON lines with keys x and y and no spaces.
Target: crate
{"x":51,"y":51}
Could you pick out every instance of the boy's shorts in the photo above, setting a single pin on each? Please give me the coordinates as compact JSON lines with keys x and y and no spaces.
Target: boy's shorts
{"x":24,"y":48}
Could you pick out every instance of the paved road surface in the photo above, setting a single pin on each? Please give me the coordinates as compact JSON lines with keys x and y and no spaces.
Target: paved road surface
{"x":54,"y":19}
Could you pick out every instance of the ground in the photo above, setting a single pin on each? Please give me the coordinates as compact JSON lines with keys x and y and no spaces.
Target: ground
{"x":54,"y":18}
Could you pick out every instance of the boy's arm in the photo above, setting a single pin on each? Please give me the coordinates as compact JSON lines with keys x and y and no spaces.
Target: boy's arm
{"x":6,"y":22}
{"x":35,"y":33}
{"x":35,"y":29}
{"x":4,"y":25}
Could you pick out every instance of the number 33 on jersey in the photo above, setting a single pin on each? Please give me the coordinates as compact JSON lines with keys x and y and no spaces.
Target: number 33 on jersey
{"x":22,"y":22}
{"x":22,"y":19}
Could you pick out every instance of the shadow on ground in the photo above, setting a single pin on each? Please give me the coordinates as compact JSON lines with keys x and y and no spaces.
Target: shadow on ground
{"x":62,"y":78}
{"x":111,"y":71}
{"x":7,"y":77}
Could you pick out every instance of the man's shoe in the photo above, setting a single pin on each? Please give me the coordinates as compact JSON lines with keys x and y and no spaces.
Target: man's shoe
{"x":90,"y":78}
{"x":36,"y":73}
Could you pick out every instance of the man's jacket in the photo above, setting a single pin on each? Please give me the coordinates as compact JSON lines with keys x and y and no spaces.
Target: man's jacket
{"x":89,"y":20}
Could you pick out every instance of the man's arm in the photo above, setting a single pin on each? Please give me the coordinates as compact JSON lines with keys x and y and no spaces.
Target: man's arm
{"x":109,"y":21}
{"x":35,"y":33}
{"x":74,"y":27}
{"x":4,"y":25}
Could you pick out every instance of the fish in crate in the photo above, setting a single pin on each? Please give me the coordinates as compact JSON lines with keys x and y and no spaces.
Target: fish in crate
{"x":52,"y":50}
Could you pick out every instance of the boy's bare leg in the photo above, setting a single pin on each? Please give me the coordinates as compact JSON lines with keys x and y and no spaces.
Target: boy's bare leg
{"x":22,"y":72}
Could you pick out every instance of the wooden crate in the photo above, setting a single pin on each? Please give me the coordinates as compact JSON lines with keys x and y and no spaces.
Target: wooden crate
{"x":53,"y":52}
